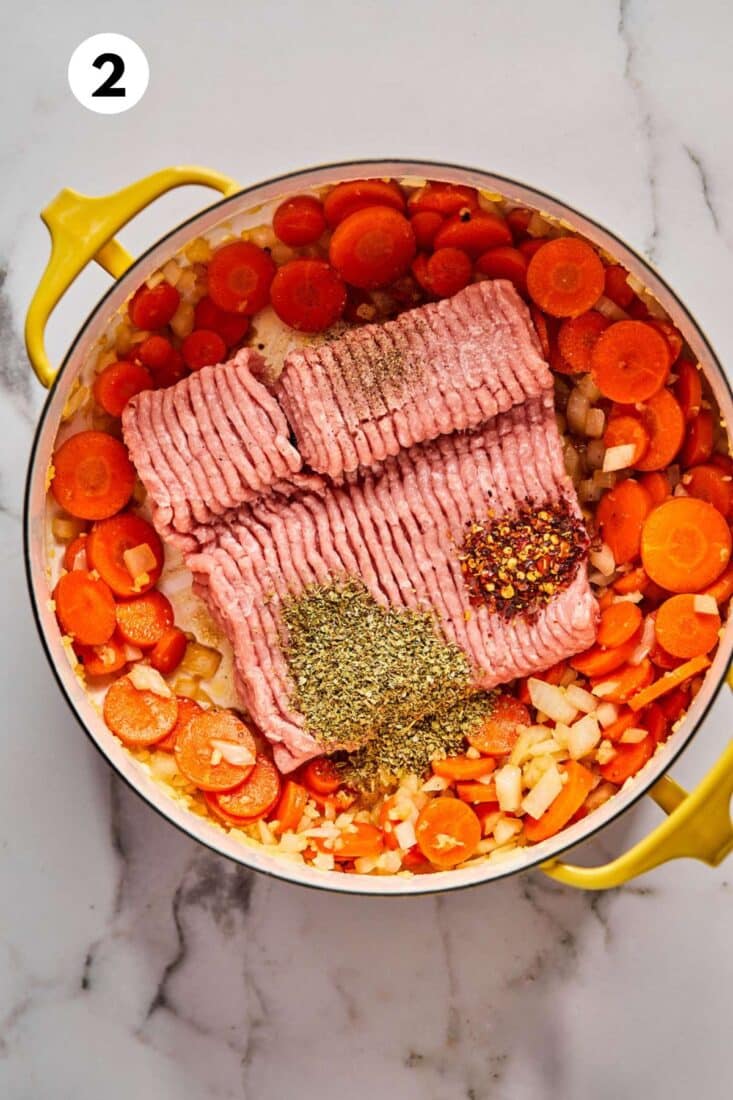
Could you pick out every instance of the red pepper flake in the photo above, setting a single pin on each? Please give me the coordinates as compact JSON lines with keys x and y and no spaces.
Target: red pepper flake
{"x":517,"y":563}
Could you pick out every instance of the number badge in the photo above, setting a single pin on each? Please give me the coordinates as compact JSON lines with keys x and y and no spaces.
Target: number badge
{"x":108,"y":73}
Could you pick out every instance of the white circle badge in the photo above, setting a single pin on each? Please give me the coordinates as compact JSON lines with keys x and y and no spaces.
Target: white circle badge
{"x":108,"y":73}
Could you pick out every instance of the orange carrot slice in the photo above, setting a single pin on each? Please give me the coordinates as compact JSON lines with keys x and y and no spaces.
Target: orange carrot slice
{"x":476,"y":793}
{"x":629,"y":680}
{"x":657,"y":486}
{"x":254,"y":797}
{"x":711,"y":483}
{"x":102,"y":660}
{"x":448,"y":832}
{"x":634,"y":581}
{"x":580,"y":782}
{"x":138,"y":718}
{"x":372,"y":247}
{"x":299,"y":220}
{"x":463,"y":767}
{"x":698,"y":445}
{"x":499,"y":732}
{"x":109,"y":541}
{"x":630,"y":362}
{"x":186,"y":709}
{"x":722,"y":589}
{"x":627,"y":431}
{"x":623,"y":723}
{"x":669,"y":682}
{"x":443,"y":198}
{"x":617,"y":287}
{"x":505,"y":262}
{"x":565,"y":277}
{"x":117,"y":383}
{"x":620,"y":516}
{"x":85,"y":608}
{"x":600,"y":662}
{"x":682,"y":630}
{"x":239,"y":277}
{"x":664,"y":422}
{"x":671,"y":335}
{"x":320,"y":775}
{"x":205,"y":764}
{"x":144,"y":620}
{"x":619,"y":623}
{"x":168,"y":652}
{"x":360,"y":840}
{"x":629,"y":759}
{"x":93,"y":476}
{"x":347,"y":198}
{"x":291,"y":806}
{"x":688,"y":388}
{"x":577,"y":337}
{"x":685,"y":545}
{"x":75,"y":555}
{"x":308,"y":295}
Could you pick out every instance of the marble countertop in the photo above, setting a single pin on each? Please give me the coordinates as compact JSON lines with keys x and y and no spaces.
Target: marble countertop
{"x":134,"y":963}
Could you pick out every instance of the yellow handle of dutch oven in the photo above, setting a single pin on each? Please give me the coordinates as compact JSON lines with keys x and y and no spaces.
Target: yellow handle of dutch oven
{"x":82,"y":229}
{"x":698,"y":826}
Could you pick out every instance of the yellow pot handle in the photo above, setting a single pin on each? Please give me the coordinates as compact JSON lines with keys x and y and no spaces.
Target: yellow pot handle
{"x":698,"y":827}
{"x":82,"y":228}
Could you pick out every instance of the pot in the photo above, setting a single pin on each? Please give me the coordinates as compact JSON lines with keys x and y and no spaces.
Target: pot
{"x":83,"y":229}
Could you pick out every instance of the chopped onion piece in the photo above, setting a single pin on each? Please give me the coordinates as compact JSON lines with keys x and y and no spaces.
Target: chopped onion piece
{"x":633,"y":735}
{"x":577,"y":411}
{"x":705,"y":605}
{"x":552,"y":700}
{"x":589,"y":389}
{"x":146,"y":678}
{"x":527,"y":738}
{"x":594,"y":454}
{"x":537,"y":226}
{"x":200,"y":660}
{"x":66,"y":528}
{"x":603,"y":560}
{"x":581,"y":699}
{"x":233,"y":753}
{"x":646,"y":642}
{"x":595,"y":422}
{"x":544,"y":793}
{"x":607,"y":687}
{"x":584,"y":736}
{"x":435,"y":783}
{"x":618,"y":458}
{"x":404,"y":834}
{"x":506,"y":828}
{"x":139,"y":560}
{"x":606,"y":752}
{"x":629,"y":597}
{"x":610,"y":310}
{"x":606,"y":714}
{"x":508,"y":788}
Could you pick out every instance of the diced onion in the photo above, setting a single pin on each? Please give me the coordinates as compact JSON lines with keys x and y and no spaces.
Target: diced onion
{"x":529,"y":737}
{"x":618,"y":458}
{"x":705,"y":605}
{"x":604,"y":480}
{"x":606,"y":714}
{"x":139,"y":560}
{"x":182,"y":320}
{"x":543,"y":794}
{"x":147,"y":678}
{"x":584,"y":736}
{"x":589,"y":389}
{"x":595,"y":422}
{"x":66,"y":528}
{"x":132,"y":653}
{"x":606,"y":687}
{"x":551,"y":700}
{"x":404,"y":834}
{"x":629,"y":597}
{"x":508,"y":788}
{"x":601,"y":794}
{"x":571,"y":459}
{"x":633,"y":735}
{"x":606,"y":752}
{"x":577,"y":411}
{"x":506,"y":828}
{"x":200,"y":660}
{"x":237,"y":755}
{"x":186,"y":686}
{"x":537,"y":226}
{"x":646,"y":642}
{"x":435,"y":783}
{"x":610,"y":310}
{"x":603,"y":560}
{"x":581,"y":699}
{"x":595,"y":453}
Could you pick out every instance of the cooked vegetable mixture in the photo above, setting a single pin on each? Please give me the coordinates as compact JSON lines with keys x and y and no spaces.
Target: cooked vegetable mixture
{"x":467,"y":777}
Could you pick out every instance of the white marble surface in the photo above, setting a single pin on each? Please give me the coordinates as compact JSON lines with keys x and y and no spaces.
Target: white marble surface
{"x":133,"y":963}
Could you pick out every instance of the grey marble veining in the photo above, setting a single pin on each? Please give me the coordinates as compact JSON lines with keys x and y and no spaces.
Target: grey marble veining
{"x":135,"y":963}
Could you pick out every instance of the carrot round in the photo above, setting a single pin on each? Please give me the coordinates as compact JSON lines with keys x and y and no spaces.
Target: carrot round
{"x":597,"y":661}
{"x":102,"y":660}
{"x":656,"y":723}
{"x":722,"y":589}
{"x":682,"y":630}
{"x":347,"y":198}
{"x":143,"y":621}
{"x":443,"y":198}
{"x":657,"y":486}
{"x":620,"y":516}
{"x":565,"y":277}
{"x":232,"y":327}
{"x":627,"y":431}
{"x":93,"y":476}
{"x":578,"y":785}
{"x":85,"y":608}
{"x":617,"y":287}
{"x":675,"y":701}
{"x":168,"y":652}
{"x":165,"y":361}
{"x":117,"y":383}
{"x":664,"y":422}
{"x":448,"y":832}
{"x":669,"y":682}
{"x":254,"y":797}
{"x":498,"y":733}
{"x":153,"y":307}
{"x":109,"y":541}
{"x":627,"y":681}
{"x":688,"y":388}
{"x":624,"y":722}
{"x":710,"y":483}
{"x":202,"y":762}
{"x":203,"y":348}
{"x":300,"y":220}
{"x":542,"y":328}
{"x":630,"y":362}
{"x":308,"y":295}
{"x":357,"y":841}
{"x":239,"y":277}
{"x":425,"y":224}
{"x":463,"y":767}
{"x":505,"y":262}
{"x":372,"y":247}
{"x":75,"y":554}
{"x":476,"y":793}
{"x":474,"y":232}
{"x":671,"y":335}
{"x":138,"y":718}
{"x":290,"y":808}
{"x":518,"y":220}
{"x":685,"y":544}
{"x":448,"y":271}
{"x":320,"y":775}
{"x":186,"y":709}
{"x":619,"y":623}
{"x":629,"y":759}
{"x":577,"y":336}
{"x":698,"y":445}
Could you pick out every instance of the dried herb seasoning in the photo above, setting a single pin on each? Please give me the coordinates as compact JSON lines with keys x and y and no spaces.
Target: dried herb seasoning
{"x":360,"y":669}
{"x":518,"y":562}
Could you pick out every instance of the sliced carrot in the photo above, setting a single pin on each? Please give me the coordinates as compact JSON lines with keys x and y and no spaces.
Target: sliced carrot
{"x":289,"y":810}
{"x":143,"y":621}
{"x":619,"y":623}
{"x":320,"y":775}
{"x":620,"y":516}
{"x":200,"y":760}
{"x":627,"y":431}
{"x":708,"y":482}
{"x":425,"y":224}
{"x":658,"y":655}
{"x":638,"y":310}
{"x":565,"y":277}
{"x":75,"y":554}
{"x":664,"y":422}
{"x":448,"y":271}
{"x":578,"y":785}
{"x":617,"y":287}
{"x":682,"y":630}
{"x":698,"y":445}
{"x":85,"y":608}
{"x":346,"y":198}
{"x":239,"y":277}
{"x":505,"y":262}
{"x":102,"y":660}
{"x":634,"y":581}
{"x":669,"y":682}
{"x":577,"y":337}
{"x":688,"y":388}
{"x":544,"y":327}
{"x":499,"y":732}
{"x":232,"y":327}
{"x":605,"y":599}
{"x":463,"y":767}
{"x":138,"y":718}
{"x":168,"y":652}
{"x":443,"y":198}
{"x":186,"y":709}
{"x":254,"y":797}
{"x":629,"y":680}
{"x":555,"y":673}
{"x":476,"y":793}
{"x":630,"y":362}
{"x":675,"y":703}
{"x":722,"y":589}
{"x":531,"y":248}
{"x":117,"y":383}
{"x":623,"y":723}
{"x":657,"y":486}
{"x":448,"y":832}
{"x":518,"y":220}
{"x":360,"y":840}
{"x":299,"y":220}
{"x":655,"y":722}
{"x":724,"y":462}
{"x":372,"y":247}
{"x":685,"y":544}
{"x":308,"y":295}
{"x":153,"y":307}
{"x":163,"y":360}
{"x":600,"y":662}
{"x":474,"y":232}
{"x":629,"y":759}
{"x":203,"y":348}
{"x":111,"y":539}
{"x":93,"y":476}
{"x":671,"y":335}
